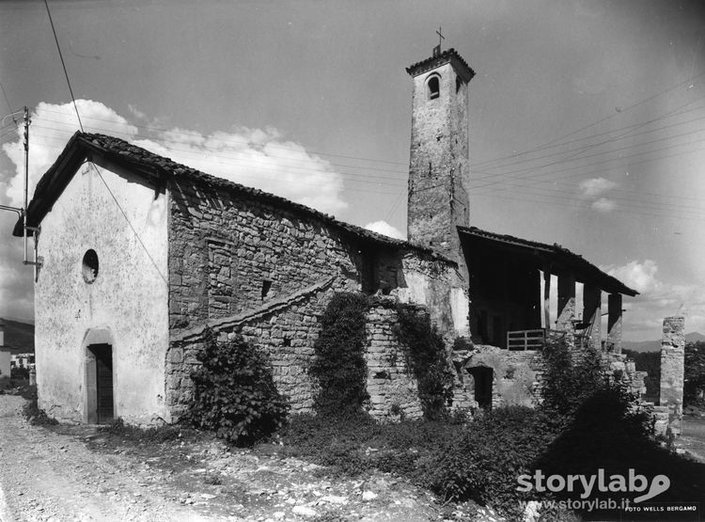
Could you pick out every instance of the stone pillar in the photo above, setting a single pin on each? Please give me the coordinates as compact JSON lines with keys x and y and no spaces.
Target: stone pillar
{"x":566,"y":302}
{"x":673,"y":370}
{"x":614,"y":322}
{"x":592,"y":312}
{"x":5,"y":363}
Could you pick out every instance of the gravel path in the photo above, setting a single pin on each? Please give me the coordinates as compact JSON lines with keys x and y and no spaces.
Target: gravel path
{"x":46,"y":476}
{"x":76,"y":473}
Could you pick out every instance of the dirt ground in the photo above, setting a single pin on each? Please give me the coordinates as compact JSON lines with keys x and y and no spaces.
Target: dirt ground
{"x":76,"y":473}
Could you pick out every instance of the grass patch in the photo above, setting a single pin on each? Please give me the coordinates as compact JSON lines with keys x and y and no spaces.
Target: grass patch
{"x":356,"y":444}
{"x":153,"y":435}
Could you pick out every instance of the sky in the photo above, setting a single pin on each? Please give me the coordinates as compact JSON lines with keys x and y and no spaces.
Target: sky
{"x":587,"y":117}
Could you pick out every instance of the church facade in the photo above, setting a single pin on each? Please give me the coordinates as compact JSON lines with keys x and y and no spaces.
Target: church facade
{"x":140,"y":255}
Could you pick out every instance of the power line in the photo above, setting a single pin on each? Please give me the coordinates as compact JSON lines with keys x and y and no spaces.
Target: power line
{"x":279,"y":146}
{"x":144,"y":247}
{"x":397,"y":201}
{"x":625,"y":135}
{"x":534,"y":170}
{"x":7,"y":101}
{"x":63,"y":64}
{"x":606,"y":118}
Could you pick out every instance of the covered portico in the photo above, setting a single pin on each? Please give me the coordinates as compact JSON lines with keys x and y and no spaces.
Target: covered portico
{"x":510,"y":292}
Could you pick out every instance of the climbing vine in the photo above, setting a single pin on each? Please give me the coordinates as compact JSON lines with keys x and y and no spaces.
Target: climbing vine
{"x":425,"y":356}
{"x":339,"y":365}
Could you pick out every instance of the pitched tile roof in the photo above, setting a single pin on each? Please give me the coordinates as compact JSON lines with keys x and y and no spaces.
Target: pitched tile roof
{"x":87,"y":145}
{"x":556,"y":254}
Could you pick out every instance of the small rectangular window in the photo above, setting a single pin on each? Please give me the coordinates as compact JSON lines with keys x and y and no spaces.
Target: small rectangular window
{"x":266,"y":287}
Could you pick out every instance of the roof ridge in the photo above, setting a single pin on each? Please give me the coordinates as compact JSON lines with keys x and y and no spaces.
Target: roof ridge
{"x":122,"y":150}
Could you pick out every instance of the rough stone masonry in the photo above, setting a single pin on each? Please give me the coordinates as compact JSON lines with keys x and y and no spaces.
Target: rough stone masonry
{"x":673,"y":370}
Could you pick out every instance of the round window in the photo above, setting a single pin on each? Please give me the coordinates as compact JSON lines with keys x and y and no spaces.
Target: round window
{"x":90,"y":266}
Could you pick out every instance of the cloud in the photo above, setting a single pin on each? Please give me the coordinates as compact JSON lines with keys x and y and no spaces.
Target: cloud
{"x":384,"y":228}
{"x":594,"y":187}
{"x":657,"y":299}
{"x":260,"y":158}
{"x":639,"y":276}
{"x":604,"y":205}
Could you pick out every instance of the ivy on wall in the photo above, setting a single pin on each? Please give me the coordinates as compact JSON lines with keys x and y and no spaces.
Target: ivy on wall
{"x":339,"y":364}
{"x":426,"y":357}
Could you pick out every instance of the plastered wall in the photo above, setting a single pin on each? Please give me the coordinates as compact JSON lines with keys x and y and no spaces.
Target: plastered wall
{"x":125,"y":306}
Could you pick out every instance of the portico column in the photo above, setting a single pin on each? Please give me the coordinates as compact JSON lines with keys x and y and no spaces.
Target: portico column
{"x":592,"y":312}
{"x":566,"y":302}
{"x":547,"y":297}
{"x":614,"y":322}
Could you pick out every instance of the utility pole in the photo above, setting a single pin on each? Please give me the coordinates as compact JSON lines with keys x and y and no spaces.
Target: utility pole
{"x":22,"y":212}
{"x":26,"y":179}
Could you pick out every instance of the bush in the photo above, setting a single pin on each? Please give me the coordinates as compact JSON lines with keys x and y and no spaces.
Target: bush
{"x":339,"y":366}
{"x":426,"y":357}
{"x":570,"y":376}
{"x":483,"y":463}
{"x":32,"y":412}
{"x":20,"y":373}
{"x":694,"y":388}
{"x":235,"y":395}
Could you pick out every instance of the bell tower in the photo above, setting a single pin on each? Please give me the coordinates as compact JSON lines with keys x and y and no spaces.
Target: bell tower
{"x":439,"y":162}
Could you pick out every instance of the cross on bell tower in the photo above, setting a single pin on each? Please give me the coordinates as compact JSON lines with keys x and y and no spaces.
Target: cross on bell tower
{"x":437,"y":49}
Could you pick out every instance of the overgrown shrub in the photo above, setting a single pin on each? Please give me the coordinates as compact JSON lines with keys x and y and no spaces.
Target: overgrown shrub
{"x":694,"y":388}
{"x":339,"y":365}
{"x":19,"y":373}
{"x":426,"y":357}
{"x":32,"y":412}
{"x":355,"y":444}
{"x":610,"y":432}
{"x":235,"y":395}
{"x":570,"y":376}
{"x":484,"y":462}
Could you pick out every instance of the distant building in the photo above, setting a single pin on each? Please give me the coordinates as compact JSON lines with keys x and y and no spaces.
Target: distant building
{"x":140,"y":254}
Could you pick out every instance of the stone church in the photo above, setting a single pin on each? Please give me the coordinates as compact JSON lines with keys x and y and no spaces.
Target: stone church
{"x":141,"y":254}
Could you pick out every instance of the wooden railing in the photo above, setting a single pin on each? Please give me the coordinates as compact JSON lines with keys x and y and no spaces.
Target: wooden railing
{"x":526,"y":339}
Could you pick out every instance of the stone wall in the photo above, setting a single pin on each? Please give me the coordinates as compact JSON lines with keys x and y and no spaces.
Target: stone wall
{"x":515,"y":376}
{"x":287,"y":329}
{"x":392,"y":387}
{"x":230,"y":251}
{"x":241,"y":263}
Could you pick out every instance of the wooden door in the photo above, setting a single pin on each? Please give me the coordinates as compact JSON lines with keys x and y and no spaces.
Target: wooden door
{"x":104,"y":382}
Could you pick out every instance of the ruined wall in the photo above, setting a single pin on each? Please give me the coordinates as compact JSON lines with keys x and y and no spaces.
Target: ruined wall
{"x":515,"y":376}
{"x":241,"y":263}
{"x":673,"y":370}
{"x":393,"y":389}
{"x":128,"y":298}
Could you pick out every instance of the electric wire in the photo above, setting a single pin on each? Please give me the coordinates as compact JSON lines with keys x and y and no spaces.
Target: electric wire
{"x":63,"y":64}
